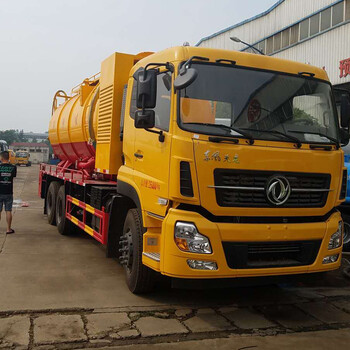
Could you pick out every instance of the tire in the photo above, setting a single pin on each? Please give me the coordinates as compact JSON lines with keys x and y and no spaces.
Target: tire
{"x":51,"y":202}
{"x":139,"y":278}
{"x":346,"y":238}
{"x":64,"y":226}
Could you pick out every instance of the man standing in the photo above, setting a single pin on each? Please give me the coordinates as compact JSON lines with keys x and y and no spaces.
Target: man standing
{"x":7,"y":173}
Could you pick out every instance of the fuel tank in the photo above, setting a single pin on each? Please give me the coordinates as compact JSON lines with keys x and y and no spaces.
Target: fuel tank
{"x":73,"y":124}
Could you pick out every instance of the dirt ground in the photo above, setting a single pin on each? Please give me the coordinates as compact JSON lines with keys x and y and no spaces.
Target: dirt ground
{"x":61,"y":292}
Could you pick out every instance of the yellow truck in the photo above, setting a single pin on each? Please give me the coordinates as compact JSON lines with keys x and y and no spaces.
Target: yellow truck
{"x":201,"y":164}
{"x":12,"y":155}
{"x":22,"y":158}
{"x":4,"y":147}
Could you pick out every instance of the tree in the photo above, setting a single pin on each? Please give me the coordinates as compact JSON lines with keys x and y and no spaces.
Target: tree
{"x":9,"y":136}
{"x":21,"y":136}
{"x":47,"y":141}
{"x":300,"y":114}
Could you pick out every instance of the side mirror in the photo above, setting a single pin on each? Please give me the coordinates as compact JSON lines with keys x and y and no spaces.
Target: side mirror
{"x":344,"y":137}
{"x":167,"y":81}
{"x":345,"y":110}
{"x":185,"y":78}
{"x":146,"y":92}
{"x":145,"y":119}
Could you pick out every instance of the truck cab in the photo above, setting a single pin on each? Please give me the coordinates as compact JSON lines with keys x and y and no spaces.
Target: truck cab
{"x":202,"y":164}
{"x":12,"y":155}
{"x":22,"y":158}
{"x":235,"y":160}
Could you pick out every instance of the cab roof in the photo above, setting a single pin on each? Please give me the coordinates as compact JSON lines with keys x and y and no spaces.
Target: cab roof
{"x":183,"y":53}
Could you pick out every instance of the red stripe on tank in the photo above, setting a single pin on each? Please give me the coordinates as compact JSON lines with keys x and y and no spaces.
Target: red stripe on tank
{"x":74,"y":151}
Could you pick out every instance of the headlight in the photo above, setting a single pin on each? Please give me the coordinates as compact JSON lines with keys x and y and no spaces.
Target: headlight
{"x":337,"y":237}
{"x":188,"y":239}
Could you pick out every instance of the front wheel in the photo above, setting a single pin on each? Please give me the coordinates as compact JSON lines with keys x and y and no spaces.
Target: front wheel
{"x":139,"y":278}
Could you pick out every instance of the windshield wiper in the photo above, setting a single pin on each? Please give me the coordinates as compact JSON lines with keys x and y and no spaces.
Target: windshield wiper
{"x":218,"y":139}
{"x":335,"y":141}
{"x":230,"y":128}
{"x":289,"y":137}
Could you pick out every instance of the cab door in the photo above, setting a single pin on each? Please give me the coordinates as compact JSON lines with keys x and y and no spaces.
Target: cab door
{"x":151,"y":155}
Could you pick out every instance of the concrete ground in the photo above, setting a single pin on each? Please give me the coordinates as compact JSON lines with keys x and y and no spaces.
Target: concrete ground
{"x":61,"y":292}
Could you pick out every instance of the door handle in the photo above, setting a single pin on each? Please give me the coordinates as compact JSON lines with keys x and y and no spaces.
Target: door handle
{"x":138,"y":155}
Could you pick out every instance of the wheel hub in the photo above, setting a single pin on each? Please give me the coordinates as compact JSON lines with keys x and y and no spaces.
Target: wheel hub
{"x":126,"y":249}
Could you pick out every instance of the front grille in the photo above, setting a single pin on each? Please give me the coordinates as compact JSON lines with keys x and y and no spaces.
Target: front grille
{"x":249,"y":255}
{"x":254,"y":183}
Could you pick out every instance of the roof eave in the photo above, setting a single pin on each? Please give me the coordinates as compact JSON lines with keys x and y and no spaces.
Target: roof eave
{"x":241,"y":23}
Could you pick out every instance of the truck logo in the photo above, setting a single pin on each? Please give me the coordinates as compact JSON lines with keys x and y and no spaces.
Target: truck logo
{"x":217,"y":157}
{"x":277,"y":190}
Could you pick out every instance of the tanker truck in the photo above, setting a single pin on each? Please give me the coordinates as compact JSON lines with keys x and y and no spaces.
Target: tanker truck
{"x":201,"y":165}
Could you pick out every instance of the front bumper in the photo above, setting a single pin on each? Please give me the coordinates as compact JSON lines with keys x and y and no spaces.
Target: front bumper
{"x":173,"y":261}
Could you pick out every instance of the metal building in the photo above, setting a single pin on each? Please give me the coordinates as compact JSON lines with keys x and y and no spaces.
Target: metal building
{"x":39,"y":152}
{"x":310,"y":31}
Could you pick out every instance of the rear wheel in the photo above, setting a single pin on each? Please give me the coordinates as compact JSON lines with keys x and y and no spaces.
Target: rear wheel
{"x":64,"y":226}
{"x":139,"y":278}
{"x":51,"y":202}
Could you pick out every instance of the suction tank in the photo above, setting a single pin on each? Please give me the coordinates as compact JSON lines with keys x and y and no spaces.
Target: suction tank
{"x":73,"y":125}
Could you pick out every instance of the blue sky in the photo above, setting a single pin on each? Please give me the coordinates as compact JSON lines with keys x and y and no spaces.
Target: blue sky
{"x":47,"y":45}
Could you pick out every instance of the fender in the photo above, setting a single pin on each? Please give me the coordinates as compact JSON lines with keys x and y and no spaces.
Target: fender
{"x":115,"y":226}
{"x":117,"y":207}
{"x":129,"y":191}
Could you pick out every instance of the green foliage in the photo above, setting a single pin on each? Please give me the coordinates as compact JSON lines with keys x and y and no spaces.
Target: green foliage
{"x":299,"y":114}
{"x":9,"y":136}
{"x":21,"y":136}
{"x":47,"y":141}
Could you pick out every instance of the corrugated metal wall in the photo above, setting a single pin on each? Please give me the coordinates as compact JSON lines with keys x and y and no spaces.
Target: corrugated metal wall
{"x":324,"y":50}
{"x":287,"y":13}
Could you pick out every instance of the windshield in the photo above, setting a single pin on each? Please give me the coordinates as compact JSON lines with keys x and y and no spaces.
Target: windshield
{"x":21,"y":154}
{"x":225,"y":100}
